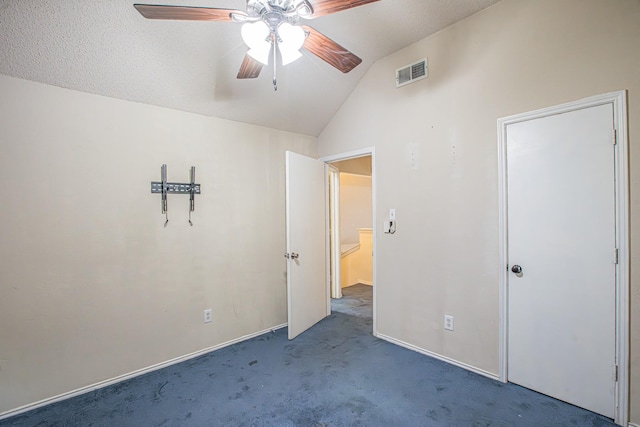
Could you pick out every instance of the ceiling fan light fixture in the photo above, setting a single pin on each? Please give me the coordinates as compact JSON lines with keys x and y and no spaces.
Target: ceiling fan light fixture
{"x":261,"y":54}
{"x":292,"y":39}
{"x":289,"y":56}
{"x":256,"y":35}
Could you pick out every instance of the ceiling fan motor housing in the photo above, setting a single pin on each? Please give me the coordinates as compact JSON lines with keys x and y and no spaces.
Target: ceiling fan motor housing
{"x":289,"y":10}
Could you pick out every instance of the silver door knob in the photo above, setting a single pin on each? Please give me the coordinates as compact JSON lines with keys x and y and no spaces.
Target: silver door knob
{"x":294,"y":255}
{"x":516,"y":269}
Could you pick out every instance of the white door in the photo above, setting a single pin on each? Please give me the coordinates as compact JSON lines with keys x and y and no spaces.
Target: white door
{"x":561,"y":232}
{"x":305,"y":212}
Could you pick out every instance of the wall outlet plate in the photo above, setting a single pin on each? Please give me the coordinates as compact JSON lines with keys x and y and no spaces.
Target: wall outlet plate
{"x":207,"y":315}
{"x":448,"y":322}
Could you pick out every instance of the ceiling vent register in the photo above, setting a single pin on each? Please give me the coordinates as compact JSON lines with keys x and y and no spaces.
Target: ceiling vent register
{"x":411,"y":73}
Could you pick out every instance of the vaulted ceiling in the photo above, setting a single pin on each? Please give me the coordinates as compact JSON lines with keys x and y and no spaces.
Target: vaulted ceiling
{"x":106,"y":47}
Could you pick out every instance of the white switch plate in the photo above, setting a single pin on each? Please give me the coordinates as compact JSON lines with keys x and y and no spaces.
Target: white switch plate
{"x":392,"y":214}
{"x":448,"y":322}
{"x":208,"y":314}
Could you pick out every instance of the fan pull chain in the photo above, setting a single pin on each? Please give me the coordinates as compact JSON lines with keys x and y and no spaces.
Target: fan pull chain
{"x":275,"y":48}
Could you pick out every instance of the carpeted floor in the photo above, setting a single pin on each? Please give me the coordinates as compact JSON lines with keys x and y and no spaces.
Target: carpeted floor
{"x":335,"y":374}
{"x":357,"y":300}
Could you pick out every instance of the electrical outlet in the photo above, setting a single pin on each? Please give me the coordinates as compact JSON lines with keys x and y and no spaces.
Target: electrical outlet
{"x":448,"y":322}
{"x":208,"y":314}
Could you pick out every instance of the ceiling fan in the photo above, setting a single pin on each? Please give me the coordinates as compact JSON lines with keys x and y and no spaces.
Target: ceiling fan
{"x":272,"y":26}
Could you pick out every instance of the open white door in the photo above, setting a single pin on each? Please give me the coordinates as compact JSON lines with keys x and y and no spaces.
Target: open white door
{"x":305,"y":215}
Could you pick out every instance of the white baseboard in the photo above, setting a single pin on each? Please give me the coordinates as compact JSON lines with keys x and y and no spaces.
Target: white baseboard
{"x":133,"y":374}
{"x":633,"y":425}
{"x":357,"y":282}
{"x":439,"y":357}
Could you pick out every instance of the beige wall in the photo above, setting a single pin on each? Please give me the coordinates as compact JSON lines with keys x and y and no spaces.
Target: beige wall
{"x":517,"y":56}
{"x":356,"y":209}
{"x":92,"y":286}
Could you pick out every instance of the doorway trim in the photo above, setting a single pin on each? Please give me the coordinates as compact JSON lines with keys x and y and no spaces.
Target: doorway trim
{"x":619,"y":102}
{"x":363,"y":152}
{"x":333,"y":238}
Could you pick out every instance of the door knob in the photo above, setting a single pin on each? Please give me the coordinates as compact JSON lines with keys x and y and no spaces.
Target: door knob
{"x":294,"y":255}
{"x":516,"y":269}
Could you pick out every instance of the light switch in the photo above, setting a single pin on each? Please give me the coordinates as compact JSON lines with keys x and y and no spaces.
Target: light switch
{"x":392,"y":214}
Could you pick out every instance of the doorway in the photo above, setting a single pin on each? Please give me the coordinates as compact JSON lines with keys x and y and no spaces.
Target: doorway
{"x":351,"y":231}
{"x":564,"y":291}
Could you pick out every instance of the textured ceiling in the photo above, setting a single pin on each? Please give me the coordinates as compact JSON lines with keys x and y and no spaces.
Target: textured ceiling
{"x":106,"y":47}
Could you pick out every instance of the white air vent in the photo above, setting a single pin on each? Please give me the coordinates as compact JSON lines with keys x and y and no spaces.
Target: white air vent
{"x":412,"y":73}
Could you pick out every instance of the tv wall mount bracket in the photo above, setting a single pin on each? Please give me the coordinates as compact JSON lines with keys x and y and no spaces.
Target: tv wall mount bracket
{"x":164,"y":188}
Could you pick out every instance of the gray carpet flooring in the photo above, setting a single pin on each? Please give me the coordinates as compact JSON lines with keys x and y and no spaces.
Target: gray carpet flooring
{"x":335,"y":374}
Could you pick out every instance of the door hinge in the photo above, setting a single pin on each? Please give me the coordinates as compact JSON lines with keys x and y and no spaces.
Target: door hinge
{"x":615,"y":373}
{"x":614,"y":134}
{"x":615,"y":256}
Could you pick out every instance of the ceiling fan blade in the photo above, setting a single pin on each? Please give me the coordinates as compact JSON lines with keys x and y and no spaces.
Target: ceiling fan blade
{"x":187,"y":13}
{"x":329,"y":51}
{"x":250,"y":68}
{"x":326,"y":7}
